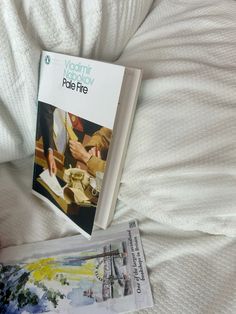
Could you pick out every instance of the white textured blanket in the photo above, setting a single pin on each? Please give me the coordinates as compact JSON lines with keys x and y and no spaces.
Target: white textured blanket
{"x":190,"y":272}
{"x":179,"y":178}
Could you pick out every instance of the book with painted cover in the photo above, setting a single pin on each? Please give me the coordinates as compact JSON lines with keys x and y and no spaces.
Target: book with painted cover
{"x":105,"y":275}
{"x":85,"y":113}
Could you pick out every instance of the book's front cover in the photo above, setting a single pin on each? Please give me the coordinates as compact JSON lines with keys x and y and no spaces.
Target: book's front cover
{"x":77,"y":104}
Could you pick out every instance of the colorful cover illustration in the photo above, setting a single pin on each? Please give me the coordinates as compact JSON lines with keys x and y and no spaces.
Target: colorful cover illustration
{"x":77,"y":104}
{"x":107,"y":277}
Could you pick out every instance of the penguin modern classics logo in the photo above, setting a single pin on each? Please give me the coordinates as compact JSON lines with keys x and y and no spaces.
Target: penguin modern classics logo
{"x":47,"y":59}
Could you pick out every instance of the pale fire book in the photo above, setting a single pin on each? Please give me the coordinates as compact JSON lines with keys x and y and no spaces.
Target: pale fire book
{"x":85,"y":114}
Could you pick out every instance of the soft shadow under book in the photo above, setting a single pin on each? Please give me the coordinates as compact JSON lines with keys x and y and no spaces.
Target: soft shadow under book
{"x":85,"y":114}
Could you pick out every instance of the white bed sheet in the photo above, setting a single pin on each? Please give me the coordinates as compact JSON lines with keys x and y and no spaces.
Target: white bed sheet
{"x":190,"y":272}
{"x":180,"y":165}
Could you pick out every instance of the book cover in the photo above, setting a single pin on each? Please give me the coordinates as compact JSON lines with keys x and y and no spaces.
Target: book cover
{"x":68,"y":276}
{"x":77,"y":105}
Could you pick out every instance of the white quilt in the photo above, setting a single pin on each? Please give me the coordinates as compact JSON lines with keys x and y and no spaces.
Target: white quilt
{"x":179,"y":178}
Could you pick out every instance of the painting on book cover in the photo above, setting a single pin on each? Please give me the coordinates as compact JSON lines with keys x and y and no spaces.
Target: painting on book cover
{"x":70,"y":160}
{"x":66,"y":282}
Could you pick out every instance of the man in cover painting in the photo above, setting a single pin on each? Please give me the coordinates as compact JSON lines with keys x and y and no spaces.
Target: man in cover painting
{"x":93,"y":154}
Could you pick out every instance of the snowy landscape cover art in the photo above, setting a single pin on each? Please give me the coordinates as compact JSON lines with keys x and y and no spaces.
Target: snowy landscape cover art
{"x":65,"y":283}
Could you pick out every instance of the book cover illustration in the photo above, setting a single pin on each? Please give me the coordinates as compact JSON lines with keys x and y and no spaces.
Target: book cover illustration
{"x":76,"y":113}
{"x":102,"y":278}
{"x":65,"y":281}
{"x":70,"y":160}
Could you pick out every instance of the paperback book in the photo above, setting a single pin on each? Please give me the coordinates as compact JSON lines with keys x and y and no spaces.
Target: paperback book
{"x":105,"y":275}
{"x":85,"y":113}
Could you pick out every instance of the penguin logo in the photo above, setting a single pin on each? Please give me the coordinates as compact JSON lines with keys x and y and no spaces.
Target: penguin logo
{"x":47,"y":59}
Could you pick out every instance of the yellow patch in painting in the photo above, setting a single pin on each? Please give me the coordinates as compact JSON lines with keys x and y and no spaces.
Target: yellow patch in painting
{"x":39,"y":263}
{"x":42,"y":269}
{"x":48,"y":268}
